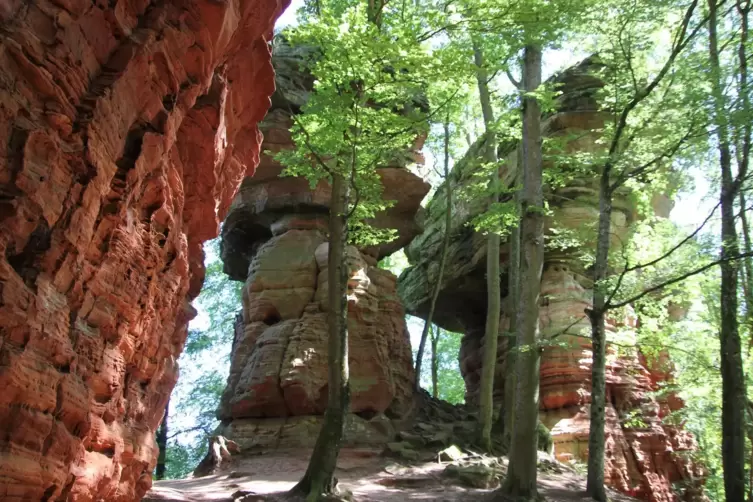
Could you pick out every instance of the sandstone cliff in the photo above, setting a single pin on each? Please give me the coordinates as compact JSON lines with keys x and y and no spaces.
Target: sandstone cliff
{"x":274,"y":239}
{"x":644,"y":456}
{"x":128,"y":127}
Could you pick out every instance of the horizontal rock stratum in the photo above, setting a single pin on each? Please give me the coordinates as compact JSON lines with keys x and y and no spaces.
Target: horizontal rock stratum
{"x":128,"y":126}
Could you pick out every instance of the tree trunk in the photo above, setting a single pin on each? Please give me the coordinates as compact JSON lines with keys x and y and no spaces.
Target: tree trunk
{"x":159,"y":472}
{"x":442,"y":257}
{"x":521,"y":473}
{"x":491,"y":333}
{"x":507,"y":416}
{"x":733,"y":379}
{"x":597,"y":315}
{"x":319,"y":477}
{"x":750,"y":438}
{"x":748,"y":278}
{"x":434,"y":362}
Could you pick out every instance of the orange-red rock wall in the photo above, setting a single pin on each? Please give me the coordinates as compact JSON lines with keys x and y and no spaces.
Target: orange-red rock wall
{"x":128,"y":126}
{"x":646,"y":456}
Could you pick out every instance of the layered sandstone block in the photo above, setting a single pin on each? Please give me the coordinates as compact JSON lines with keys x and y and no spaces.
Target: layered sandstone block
{"x":127,"y":127}
{"x":275,"y":240}
{"x":279,"y":362}
{"x":644,"y":455}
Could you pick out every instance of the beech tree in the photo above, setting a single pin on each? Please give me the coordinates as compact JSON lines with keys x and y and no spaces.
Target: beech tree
{"x":617,"y":169}
{"x":733,"y":141}
{"x":361,"y":114}
{"x":521,"y":474}
{"x":507,"y":415}
{"x":491,"y":333}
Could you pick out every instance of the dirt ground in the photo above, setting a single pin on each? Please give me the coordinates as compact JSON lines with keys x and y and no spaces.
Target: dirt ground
{"x":368,"y":475}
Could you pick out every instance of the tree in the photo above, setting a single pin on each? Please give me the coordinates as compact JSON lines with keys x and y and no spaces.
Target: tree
{"x":434,"y":336}
{"x":442,"y":261}
{"x":358,"y":117}
{"x":507,"y":416}
{"x":521,"y":475}
{"x":319,"y":476}
{"x":491,"y":332}
{"x":734,"y":396}
{"x":159,"y":472}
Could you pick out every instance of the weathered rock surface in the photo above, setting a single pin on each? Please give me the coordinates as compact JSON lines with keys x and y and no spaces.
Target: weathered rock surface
{"x":274,"y":239}
{"x":128,"y":127}
{"x":644,"y":456}
{"x":279,"y":366}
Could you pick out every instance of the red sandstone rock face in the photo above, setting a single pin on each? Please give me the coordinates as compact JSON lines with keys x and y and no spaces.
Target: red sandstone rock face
{"x":644,"y":455}
{"x":128,"y":127}
{"x":279,"y":366}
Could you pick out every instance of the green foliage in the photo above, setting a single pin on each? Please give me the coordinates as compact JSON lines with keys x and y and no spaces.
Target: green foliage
{"x":366,"y":109}
{"x":450,"y":383}
{"x":203,"y":368}
{"x":182,"y":458}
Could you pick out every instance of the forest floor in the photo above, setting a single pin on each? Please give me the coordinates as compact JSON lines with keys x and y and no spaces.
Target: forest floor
{"x":369,"y":477}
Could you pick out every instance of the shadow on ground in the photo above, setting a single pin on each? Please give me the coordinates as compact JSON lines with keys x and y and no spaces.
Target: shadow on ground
{"x":366,"y":474}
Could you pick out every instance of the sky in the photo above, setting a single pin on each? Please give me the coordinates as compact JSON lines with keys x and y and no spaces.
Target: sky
{"x":289,"y":16}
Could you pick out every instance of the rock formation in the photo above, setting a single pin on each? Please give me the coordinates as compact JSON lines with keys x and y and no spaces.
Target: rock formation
{"x":129,"y":126}
{"x":274,"y":239}
{"x":644,"y":456}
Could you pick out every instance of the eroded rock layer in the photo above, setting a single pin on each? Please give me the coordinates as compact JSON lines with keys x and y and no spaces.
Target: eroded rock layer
{"x":644,"y":456}
{"x":279,"y":366}
{"x":128,"y":127}
{"x":275,"y":239}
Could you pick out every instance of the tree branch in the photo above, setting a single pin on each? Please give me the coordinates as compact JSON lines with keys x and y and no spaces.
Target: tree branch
{"x":677,"y":279}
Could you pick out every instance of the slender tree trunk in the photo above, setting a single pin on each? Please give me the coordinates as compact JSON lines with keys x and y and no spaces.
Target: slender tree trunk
{"x":442,"y":256}
{"x":597,"y":315}
{"x":521,"y":473}
{"x":750,"y":438}
{"x":491,"y":333}
{"x":747,"y":279}
{"x":319,"y":477}
{"x":434,"y":362}
{"x":159,"y":472}
{"x":733,"y":378}
{"x":513,"y":286}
